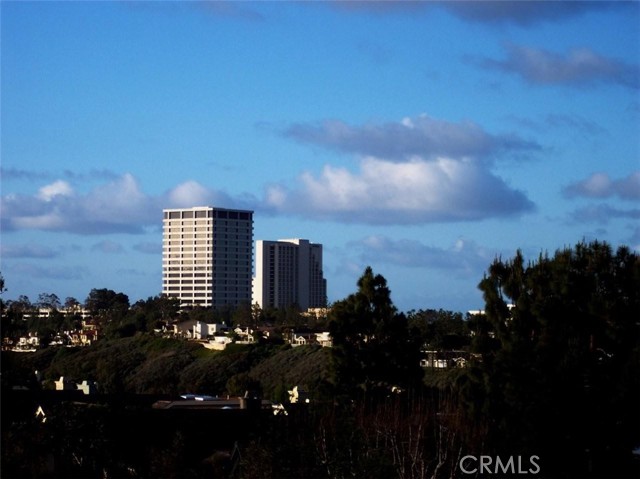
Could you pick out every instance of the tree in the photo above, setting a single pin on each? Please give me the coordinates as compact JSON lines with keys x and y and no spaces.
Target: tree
{"x":439,"y":329}
{"x":19,"y":308}
{"x":154,"y":312}
{"x":371,"y":341}
{"x":5,"y":321}
{"x":71,"y":303}
{"x":106,"y":304}
{"x":559,"y":343}
{"x":2,"y":291}
{"x":242,"y":316}
{"x":49,"y":301}
{"x":168,"y":306}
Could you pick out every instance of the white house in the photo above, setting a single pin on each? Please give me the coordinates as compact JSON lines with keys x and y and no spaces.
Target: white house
{"x":324,"y":339}
{"x":245,"y":336}
{"x":299,"y":340}
{"x":184,"y":329}
{"x":27,"y":343}
{"x":205,"y":330}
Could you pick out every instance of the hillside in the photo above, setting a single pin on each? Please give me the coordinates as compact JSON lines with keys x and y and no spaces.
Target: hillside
{"x":144,"y":364}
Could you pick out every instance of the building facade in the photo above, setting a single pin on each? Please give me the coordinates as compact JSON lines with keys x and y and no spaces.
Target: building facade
{"x":289,"y":272}
{"x":207,"y":256}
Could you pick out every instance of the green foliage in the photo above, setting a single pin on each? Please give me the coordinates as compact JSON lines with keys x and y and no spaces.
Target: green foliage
{"x":304,"y":366}
{"x":555,"y":377}
{"x":243,"y":316}
{"x":371,"y":341}
{"x":439,"y":329}
{"x":200,"y":313}
{"x":159,"y":374}
{"x":140,"y":364}
{"x":14,"y":313}
{"x":143,"y":317}
{"x":106,"y":304}
{"x":210,"y":375}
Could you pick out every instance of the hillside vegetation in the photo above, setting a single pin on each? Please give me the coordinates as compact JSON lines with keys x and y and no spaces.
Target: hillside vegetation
{"x":144,"y":364}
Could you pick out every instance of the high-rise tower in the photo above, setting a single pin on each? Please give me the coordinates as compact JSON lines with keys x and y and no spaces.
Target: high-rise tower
{"x":289,"y":272}
{"x":207,"y":255}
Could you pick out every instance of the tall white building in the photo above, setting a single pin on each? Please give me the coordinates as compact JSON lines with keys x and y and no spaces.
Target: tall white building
{"x":289,"y":272}
{"x":207,"y":255}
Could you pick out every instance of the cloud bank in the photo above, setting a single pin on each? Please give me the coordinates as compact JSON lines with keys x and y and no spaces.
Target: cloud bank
{"x":416,"y":191}
{"x":579,"y":66}
{"x":418,"y":170}
{"x":415,"y":171}
{"x":600,"y":185}
{"x":119,"y":206}
{"x":421,"y":136}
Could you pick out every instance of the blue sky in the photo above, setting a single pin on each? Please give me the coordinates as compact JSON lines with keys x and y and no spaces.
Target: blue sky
{"x":423,"y":139}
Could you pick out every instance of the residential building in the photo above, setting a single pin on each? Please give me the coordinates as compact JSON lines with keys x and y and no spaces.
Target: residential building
{"x":289,"y":272}
{"x":205,"y":330}
{"x":207,"y":256}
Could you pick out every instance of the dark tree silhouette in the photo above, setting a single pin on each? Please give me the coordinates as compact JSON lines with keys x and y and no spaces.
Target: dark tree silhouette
{"x":106,"y":304}
{"x":371,"y":342}
{"x":559,"y":344}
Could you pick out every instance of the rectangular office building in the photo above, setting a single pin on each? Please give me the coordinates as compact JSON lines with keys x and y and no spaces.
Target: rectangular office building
{"x":207,"y":256}
{"x":289,"y":272}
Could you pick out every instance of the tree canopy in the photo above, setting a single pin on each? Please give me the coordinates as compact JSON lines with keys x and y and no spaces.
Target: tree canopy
{"x":371,"y":341}
{"x":106,"y":303}
{"x":559,"y":344}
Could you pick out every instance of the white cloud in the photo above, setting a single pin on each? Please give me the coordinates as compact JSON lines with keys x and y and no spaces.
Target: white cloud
{"x":601,"y":185}
{"x":416,"y":170}
{"x":49,"y":221}
{"x":598,"y":185}
{"x":57,"y":188}
{"x":189,"y":193}
{"x":119,"y":201}
{"x":416,"y":191}
{"x":119,"y":206}
{"x":381,"y":191}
